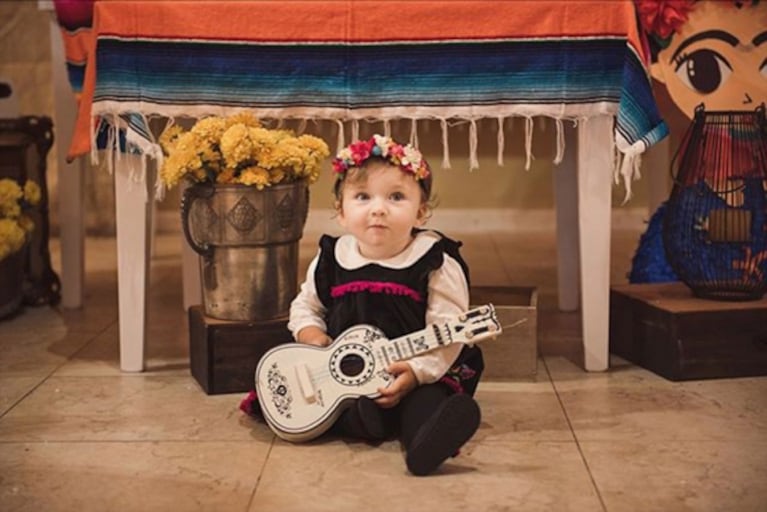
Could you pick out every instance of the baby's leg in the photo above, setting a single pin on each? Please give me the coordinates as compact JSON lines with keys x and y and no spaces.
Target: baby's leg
{"x":434,"y":424}
{"x":363,"y":420}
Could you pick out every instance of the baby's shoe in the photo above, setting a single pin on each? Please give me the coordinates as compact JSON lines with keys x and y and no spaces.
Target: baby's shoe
{"x":452,"y":424}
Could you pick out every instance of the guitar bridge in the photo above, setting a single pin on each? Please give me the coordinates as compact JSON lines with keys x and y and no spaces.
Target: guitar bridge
{"x":305,"y":383}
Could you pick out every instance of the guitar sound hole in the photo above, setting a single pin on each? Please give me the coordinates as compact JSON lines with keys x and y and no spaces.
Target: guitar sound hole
{"x":352,"y":365}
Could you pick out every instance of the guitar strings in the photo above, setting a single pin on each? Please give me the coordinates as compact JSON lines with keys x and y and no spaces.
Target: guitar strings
{"x":321,"y":373}
{"x":515,"y":324}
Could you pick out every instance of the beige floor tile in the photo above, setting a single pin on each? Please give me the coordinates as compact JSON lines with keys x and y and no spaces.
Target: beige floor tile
{"x":36,"y":342}
{"x":131,"y":407}
{"x":100,"y":357}
{"x":167,"y":339}
{"x":166,"y":352}
{"x":559,"y":333}
{"x":97,"y":313}
{"x":12,"y":389}
{"x":19,"y":327}
{"x":680,"y":476}
{"x":630,"y":403}
{"x":520,"y":411}
{"x":135,"y":476}
{"x":338,"y":476}
{"x":89,"y":437}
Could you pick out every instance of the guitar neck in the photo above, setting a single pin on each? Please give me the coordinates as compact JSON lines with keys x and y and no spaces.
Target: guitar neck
{"x":416,"y":343}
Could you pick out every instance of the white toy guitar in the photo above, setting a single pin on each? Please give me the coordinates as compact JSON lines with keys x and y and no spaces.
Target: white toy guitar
{"x":303,"y":389}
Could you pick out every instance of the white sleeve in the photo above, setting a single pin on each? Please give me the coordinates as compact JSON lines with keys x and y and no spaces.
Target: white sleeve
{"x":448,"y":298}
{"x":307,"y":309}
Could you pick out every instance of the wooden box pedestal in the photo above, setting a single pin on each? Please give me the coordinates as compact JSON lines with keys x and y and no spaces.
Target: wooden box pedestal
{"x":224,"y":354}
{"x":665,"y":329}
{"x":514,"y":354}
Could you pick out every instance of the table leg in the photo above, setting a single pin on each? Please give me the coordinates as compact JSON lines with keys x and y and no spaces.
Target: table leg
{"x":71,"y":179}
{"x":133,"y":203}
{"x":595,"y":167}
{"x":72,"y":231}
{"x":566,"y":203}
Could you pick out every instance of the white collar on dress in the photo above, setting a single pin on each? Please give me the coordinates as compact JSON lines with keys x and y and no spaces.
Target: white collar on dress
{"x":348,"y":254}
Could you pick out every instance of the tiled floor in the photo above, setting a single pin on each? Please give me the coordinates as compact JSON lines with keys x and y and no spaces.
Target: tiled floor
{"x":76,"y":434}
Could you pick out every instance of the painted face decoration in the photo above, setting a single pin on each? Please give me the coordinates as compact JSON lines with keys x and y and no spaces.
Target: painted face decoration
{"x":718,"y":57}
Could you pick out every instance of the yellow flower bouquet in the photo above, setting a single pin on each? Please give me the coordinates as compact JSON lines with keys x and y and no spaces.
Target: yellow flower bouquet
{"x":238,"y":149}
{"x":15,"y":225}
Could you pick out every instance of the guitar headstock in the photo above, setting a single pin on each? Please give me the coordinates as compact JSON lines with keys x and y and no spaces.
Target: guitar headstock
{"x":475,"y":325}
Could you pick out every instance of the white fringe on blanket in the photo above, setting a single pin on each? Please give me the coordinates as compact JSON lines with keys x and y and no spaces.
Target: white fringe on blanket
{"x":626,"y":165}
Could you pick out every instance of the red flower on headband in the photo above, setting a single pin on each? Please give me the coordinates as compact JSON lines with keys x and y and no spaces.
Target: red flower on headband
{"x":361,"y":150}
{"x":662,"y":17}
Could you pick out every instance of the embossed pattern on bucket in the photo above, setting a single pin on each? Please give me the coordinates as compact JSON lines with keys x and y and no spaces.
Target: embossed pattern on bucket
{"x":248,"y":240}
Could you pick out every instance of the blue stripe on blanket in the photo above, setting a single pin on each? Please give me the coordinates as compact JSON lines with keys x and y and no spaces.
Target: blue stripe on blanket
{"x":409,"y":74}
{"x":363,"y":75}
{"x":76,"y":75}
{"x":635,"y":118}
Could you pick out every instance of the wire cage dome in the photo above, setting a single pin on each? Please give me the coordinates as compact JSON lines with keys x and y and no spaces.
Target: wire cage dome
{"x":714,"y":231}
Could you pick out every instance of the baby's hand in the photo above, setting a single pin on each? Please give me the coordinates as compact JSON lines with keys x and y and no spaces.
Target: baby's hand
{"x":312,"y":335}
{"x":405,"y":381}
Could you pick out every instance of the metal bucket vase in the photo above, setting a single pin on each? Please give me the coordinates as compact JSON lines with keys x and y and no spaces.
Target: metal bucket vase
{"x":248,"y":240}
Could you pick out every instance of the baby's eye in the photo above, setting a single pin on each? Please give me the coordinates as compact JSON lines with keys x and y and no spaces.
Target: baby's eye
{"x":763,"y":69}
{"x":361,"y":196}
{"x":397,"y":196}
{"x":703,"y":71}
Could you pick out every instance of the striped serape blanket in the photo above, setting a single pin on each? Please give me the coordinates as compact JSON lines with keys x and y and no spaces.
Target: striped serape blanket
{"x":75,"y":19}
{"x":357,"y":60}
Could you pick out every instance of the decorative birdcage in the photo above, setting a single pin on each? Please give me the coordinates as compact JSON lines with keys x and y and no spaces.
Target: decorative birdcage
{"x":714,"y":231}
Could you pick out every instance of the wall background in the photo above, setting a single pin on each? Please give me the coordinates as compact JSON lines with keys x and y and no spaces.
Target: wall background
{"x":25,"y":59}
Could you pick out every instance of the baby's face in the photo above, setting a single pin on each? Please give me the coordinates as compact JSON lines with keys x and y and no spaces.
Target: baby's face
{"x":381,"y":210}
{"x":718,"y":58}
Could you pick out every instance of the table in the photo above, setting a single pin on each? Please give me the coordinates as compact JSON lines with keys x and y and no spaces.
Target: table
{"x":358,"y":59}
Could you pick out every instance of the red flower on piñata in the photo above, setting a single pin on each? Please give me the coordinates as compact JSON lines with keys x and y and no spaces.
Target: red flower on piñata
{"x":662,"y":17}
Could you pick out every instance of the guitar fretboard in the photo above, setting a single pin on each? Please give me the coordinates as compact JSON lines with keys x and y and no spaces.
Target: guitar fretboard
{"x":416,"y":343}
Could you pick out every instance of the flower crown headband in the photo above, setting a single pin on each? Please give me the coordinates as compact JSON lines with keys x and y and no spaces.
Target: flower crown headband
{"x":407,"y":158}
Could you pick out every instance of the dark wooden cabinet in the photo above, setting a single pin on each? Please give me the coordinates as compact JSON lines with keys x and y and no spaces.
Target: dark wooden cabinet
{"x":24,"y":146}
{"x":665,"y":329}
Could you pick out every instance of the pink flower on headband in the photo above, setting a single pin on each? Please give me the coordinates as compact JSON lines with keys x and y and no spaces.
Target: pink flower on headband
{"x":397,"y":151}
{"x":407,"y":158}
{"x":662,"y":18}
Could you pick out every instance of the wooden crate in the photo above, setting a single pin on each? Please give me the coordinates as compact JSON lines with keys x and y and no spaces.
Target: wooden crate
{"x":514,"y":354}
{"x":224,"y":354}
{"x":665,"y":329}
